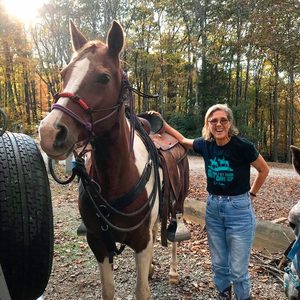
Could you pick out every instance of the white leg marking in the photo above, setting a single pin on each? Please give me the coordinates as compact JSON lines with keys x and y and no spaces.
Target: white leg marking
{"x":107,"y":280}
{"x":142,"y":260}
{"x":173,"y":274}
{"x":154,"y":235}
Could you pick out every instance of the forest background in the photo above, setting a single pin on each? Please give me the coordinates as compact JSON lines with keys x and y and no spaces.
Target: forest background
{"x":192,"y":53}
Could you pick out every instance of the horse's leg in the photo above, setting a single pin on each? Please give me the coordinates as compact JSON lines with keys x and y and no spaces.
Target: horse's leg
{"x":107,"y":280}
{"x":142,"y":259}
{"x":154,"y":235}
{"x":173,"y":274}
{"x":106,"y":269}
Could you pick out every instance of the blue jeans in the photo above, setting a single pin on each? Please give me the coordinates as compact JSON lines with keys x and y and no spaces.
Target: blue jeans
{"x":230,"y":224}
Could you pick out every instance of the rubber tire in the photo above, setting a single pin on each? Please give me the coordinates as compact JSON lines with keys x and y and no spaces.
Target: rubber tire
{"x":26,"y":218}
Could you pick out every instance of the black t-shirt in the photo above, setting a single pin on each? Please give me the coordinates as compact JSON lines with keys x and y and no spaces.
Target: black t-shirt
{"x":227,"y":167}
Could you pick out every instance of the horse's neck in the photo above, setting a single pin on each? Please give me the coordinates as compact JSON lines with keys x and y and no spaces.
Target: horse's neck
{"x":112,"y":148}
{"x":112,"y":159}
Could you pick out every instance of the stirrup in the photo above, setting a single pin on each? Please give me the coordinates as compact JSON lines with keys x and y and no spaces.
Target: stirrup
{"x":81,"y":230}
{"x":177,"y":231}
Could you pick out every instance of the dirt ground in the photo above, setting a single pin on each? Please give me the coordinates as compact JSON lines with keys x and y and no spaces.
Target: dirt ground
{"x":75,"y":272}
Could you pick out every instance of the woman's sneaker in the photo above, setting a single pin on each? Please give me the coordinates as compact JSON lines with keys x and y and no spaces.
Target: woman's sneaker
{"x":225,"y":295}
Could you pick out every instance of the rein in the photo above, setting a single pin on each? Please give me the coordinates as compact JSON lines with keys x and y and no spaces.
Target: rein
{"x":105,"y":209}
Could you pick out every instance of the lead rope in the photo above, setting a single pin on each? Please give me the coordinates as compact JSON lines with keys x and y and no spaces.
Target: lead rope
{"x":76,"y":156}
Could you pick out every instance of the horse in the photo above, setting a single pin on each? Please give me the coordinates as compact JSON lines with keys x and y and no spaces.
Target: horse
{"x":292,"y":271}
{"x":122,"y":186}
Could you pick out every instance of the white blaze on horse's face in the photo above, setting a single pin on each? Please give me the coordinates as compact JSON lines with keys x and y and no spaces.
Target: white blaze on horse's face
{"x":78,"y":73}
{"x":50,"y":126}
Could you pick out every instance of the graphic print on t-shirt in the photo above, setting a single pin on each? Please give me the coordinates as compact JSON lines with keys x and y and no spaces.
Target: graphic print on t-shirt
{"x":220,"y":171}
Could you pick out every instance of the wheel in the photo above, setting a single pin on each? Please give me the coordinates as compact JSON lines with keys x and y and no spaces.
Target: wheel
{"x":26,"y":219}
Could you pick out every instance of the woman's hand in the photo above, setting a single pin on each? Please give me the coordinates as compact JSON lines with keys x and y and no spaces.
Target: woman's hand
{"x":153,"y":112}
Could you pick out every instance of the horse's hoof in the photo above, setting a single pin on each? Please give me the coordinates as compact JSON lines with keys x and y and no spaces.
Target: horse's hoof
{"x":81,"y":230}
{"x":151,"y":272}
{"x":173,"y":279}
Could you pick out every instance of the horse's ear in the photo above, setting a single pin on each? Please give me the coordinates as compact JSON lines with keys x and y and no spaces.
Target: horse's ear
{"x":296,"y":158}
{"x":78,"y":39}
{"x":115,"y":39}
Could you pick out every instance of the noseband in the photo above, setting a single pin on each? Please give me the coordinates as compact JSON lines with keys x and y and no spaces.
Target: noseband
{"x":90,"y":110}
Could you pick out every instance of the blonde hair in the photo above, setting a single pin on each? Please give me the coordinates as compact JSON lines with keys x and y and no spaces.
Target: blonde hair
{"x":206,"y":133}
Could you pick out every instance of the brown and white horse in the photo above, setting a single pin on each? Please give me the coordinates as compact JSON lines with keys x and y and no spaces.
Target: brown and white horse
{"x":91,"y":108}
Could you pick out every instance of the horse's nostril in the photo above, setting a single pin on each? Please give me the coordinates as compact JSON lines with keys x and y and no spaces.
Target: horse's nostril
{"x":60,"y":136}
{"x":293,"y":226}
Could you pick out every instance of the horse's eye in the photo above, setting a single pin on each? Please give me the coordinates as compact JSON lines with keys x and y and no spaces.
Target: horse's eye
{"x":103,"y":78}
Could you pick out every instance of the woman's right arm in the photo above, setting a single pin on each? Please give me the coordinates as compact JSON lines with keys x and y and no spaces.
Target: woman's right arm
{"x":188,"y":143}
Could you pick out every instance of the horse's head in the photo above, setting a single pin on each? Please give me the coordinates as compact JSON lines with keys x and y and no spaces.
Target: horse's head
{"x":90,"y":100}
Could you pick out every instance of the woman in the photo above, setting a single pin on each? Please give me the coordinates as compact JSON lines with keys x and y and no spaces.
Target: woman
{"x":230,"y":219}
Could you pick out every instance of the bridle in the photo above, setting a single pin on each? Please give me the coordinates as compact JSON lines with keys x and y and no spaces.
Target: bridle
{"x":90,"y":125}
{"x":89,"y":110}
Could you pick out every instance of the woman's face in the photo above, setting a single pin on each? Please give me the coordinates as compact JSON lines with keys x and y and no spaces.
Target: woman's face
{"x":219,"y":126}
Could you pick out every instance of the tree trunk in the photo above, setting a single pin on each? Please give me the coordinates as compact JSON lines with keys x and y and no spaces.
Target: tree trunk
{"x":203,"y":105}
{"x":257,"y":82}
{"x":27,"y":97}
{"x":291,"y":110}
{"x":246,"y":86}
{"x":238,"y":86}
{"x":276,"y":110}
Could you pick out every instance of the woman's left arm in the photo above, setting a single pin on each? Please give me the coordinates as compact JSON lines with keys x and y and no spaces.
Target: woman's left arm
{"x":263,"y":170}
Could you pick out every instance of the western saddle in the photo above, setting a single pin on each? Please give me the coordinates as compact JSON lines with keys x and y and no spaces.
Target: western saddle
{"x":175,"y":167}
